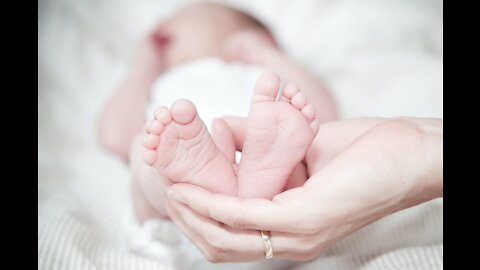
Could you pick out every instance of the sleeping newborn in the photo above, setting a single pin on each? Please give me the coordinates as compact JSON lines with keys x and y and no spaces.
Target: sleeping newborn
{"x":191,"y":61}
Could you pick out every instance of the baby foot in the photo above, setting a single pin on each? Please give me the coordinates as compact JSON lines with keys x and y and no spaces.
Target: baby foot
{"x":177,"y":144}
{"x":278,"y":135}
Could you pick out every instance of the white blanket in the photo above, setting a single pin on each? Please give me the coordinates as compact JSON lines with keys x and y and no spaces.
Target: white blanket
{"x":380,"y":58}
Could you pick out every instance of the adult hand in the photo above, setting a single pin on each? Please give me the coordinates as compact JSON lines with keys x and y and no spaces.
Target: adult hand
{"x":361,"y":170}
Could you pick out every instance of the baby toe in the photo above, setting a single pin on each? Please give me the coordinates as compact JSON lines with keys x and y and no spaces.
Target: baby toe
{"x":183,"y":111}
{"x":299,"y":101}
{"x":266,"y":87}
{"x":163,"y":115}
{"x":315,"y":126}
{"x":308,"y":111}
{"x":150,"y":141}
{"x":154,"y":126}
{"x":290,"y":91}
{"x":149,"y":156}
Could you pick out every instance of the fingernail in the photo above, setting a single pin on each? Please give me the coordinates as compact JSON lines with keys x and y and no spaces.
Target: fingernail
{"x":174,"y":195}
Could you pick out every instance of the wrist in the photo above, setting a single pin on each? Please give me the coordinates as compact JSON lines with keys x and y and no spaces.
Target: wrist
{"x":423,"y":160}
{"x":433,"y":147}
{"x":416,"y":147}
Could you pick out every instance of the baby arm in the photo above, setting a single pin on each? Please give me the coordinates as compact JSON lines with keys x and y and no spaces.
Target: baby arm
{"x":257,"y":47}
{"x":123,"y":115}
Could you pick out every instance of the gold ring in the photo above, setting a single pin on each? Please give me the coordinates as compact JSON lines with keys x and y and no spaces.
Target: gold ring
{"x":267,"y":243}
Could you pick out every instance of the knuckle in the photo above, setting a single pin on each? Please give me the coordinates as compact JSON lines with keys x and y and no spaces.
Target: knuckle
{"x":211,"y":256}
{"x":221,"y":251}
{"x":216,"y":251}
{"x":215,"y":255}
{"x":217,"y":245}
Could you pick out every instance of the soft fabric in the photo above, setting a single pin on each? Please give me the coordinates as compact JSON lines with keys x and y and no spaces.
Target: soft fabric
{"x":379,"y":58}
{"x":217,"y":88}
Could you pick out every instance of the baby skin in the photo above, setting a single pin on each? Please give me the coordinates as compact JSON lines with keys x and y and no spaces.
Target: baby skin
{"x":279,"y":131}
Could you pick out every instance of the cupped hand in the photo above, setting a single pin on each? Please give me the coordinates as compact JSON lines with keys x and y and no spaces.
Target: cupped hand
{"x":360,"y":171}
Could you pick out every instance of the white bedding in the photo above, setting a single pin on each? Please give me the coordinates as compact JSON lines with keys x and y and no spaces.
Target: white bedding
{"x":380,"y":58}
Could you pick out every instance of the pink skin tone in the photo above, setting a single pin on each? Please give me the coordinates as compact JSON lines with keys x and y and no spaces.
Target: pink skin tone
{"x":250,"y":46}
{"x":353,"y":182}
{"x":192,"y":33}
{"x":171,"y":44}
{"x":277,"y":137}
{"x":177,"y":143}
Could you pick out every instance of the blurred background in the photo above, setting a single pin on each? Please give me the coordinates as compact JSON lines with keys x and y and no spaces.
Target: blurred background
{"x":378,"y":57}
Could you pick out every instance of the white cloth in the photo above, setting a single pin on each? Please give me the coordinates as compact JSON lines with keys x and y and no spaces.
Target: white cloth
{"x":380,"y":58}
{"x":217,"y":88}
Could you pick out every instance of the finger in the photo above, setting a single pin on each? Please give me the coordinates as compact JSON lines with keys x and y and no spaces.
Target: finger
{"x":196,"y":239}
{"x":238,"y":127}
{"x":218,"y":242}
{"x":244,"y":213}
{"x":223,"y":138}
{"x":227,"y":244}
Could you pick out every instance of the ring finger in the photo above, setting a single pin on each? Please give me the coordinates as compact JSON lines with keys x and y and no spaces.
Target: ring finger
{"x":220,"y":242}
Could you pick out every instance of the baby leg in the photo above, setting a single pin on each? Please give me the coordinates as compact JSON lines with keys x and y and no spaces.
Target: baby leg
{"x":278,"y":135}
